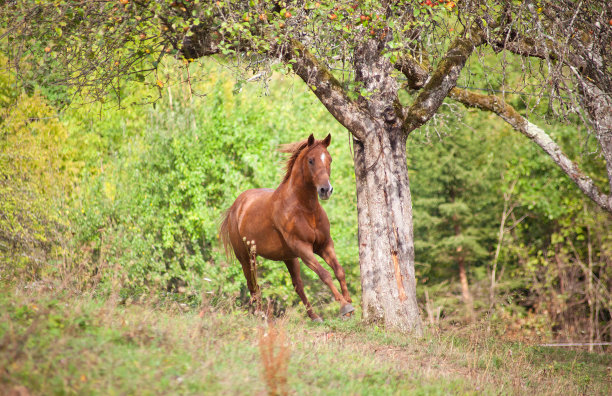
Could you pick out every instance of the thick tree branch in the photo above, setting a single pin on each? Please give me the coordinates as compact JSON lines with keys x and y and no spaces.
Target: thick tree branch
{"x":416,"y":74}
{"x":373,"y":72}
{"x":442,"y":80}
{"x":414,"y":71}
{"x":329,"y":90}
{"x":588,"y":66}
{"x":498,"y":106}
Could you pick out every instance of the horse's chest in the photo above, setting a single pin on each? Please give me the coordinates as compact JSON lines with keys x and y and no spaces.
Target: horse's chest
{"x":311,"y":220}
{"x":319,"y":229}
{"x":306,"y":227}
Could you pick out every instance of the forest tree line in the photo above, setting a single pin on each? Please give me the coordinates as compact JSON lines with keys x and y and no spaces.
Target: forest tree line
{"x":129,"y":200}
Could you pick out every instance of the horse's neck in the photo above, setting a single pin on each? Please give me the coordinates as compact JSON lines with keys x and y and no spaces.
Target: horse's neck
{"x":296,"y":188}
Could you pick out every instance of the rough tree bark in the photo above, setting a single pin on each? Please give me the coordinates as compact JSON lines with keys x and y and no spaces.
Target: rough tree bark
{"x":386,"y":245}
{"x":386,"y":248}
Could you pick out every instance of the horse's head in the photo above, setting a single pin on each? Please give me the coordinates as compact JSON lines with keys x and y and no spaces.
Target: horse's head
{"x":317,"y":165}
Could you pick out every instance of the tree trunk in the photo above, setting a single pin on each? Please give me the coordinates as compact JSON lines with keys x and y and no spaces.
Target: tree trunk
{"x":465,"y":288}
{"x":386,"y":249}
{"x":380,"y":125}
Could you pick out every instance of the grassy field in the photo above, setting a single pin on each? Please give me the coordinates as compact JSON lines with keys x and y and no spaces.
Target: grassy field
{"x":60,"y":343}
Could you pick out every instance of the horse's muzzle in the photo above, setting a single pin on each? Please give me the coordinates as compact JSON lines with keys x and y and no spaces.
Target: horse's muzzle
{"x":325,"y":192}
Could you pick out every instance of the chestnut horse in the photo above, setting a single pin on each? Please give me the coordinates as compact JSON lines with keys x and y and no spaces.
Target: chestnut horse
{"x":289,"y":223}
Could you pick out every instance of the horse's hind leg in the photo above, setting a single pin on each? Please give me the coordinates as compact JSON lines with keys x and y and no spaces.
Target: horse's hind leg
{"x":294,"y":270}
{"x":250,"y":274}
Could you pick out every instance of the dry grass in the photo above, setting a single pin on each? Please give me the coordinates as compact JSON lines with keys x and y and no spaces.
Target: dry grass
{"x":489,"y":365}
{"x":275,"y":354}
{"x":53,"y":343}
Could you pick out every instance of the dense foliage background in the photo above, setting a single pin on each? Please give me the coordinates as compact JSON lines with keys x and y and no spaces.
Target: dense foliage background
{"x":127,"y":200}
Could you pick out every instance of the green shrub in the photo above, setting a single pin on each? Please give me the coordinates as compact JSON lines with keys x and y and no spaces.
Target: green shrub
{"x":150,"y":212}
{"x":36,"y":173}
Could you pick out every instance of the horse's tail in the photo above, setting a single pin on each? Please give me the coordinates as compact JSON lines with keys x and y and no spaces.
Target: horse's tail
{"x":225,"y":236}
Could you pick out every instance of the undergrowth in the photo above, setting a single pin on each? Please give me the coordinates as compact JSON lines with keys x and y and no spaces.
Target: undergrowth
{"x":54,"y":342}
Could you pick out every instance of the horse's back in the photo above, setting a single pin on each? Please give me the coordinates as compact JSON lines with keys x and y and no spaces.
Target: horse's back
{"x":256,"y":196}
{"x":252,"y":206}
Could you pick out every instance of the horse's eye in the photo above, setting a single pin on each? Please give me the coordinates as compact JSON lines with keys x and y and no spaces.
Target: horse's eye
{"x":310,"y":161}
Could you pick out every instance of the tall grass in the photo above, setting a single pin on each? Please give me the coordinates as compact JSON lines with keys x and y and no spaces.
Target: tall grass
{"x":275,"y":354}
{"x":56,"y":342}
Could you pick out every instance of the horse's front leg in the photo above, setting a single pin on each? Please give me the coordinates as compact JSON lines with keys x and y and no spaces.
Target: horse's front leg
{"x":329,"y":255}
{"x":304,"y":251}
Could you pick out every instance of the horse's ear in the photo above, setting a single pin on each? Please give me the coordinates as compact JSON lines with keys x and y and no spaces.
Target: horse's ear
{"x":311,"y":140}
{"x":327,"y":140}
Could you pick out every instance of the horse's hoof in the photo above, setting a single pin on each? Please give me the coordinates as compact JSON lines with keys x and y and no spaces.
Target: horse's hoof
{"x":317,"y":320}
{"x":346,"y":310}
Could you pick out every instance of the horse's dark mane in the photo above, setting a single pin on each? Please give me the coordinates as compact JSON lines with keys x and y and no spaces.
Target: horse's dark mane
{"x":294,"y":149}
